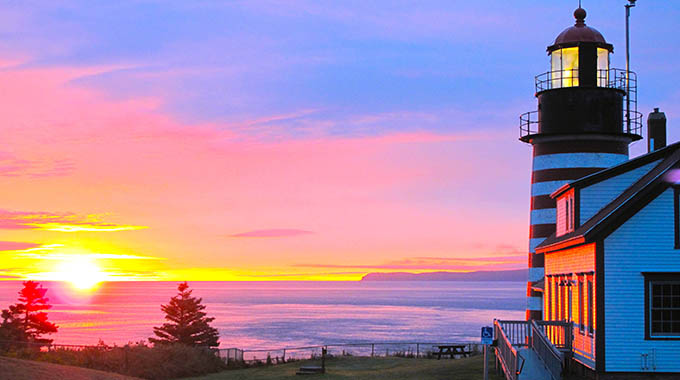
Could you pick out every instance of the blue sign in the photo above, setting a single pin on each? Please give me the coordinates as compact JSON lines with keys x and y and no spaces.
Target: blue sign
{"x":487,"y":335}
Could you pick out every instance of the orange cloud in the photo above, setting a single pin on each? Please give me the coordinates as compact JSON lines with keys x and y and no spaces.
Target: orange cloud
{"x":61,"y":222}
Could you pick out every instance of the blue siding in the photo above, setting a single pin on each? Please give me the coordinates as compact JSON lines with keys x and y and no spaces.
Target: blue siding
{"x":645,"y":243}
{"x":594,"y":197}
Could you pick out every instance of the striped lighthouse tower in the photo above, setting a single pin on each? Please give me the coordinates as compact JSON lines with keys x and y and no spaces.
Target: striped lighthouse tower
{"x":579,"y":128}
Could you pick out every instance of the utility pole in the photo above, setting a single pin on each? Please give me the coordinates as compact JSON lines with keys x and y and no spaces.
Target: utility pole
{"x":631,"y":4}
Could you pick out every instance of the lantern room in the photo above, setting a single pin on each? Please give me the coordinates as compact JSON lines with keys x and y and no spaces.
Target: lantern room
{"x":581,"y":93}
{"x":579,"y":56}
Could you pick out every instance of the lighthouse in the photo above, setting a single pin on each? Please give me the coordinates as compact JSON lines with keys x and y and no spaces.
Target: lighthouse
{"x":581,"y":127}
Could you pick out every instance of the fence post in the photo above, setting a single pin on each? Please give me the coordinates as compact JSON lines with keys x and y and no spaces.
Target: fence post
{"x":126,"y":364}
{"x":372,"y":348}
{"x":417,"y":350}
{"x":284,"y":355}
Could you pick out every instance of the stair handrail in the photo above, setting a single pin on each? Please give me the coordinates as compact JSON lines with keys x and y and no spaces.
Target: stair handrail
{"x":506,"y":353}
{"x":551,"y":357}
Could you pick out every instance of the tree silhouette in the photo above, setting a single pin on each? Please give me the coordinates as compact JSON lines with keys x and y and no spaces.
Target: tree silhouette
{"x":188,"y":323}
{"x":26,"y":320}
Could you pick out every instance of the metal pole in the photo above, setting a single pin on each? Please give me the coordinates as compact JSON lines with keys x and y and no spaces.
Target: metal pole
{"x":628,"y":6}
{"x":486,"y":363}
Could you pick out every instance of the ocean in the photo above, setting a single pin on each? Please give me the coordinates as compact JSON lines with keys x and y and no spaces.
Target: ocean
{"x":267,"y":315}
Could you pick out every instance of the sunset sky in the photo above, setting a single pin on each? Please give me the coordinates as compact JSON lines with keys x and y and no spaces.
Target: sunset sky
{"x":283,"y":140}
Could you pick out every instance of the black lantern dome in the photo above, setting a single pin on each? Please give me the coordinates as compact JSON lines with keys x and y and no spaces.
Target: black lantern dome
{"x":579,"y":32}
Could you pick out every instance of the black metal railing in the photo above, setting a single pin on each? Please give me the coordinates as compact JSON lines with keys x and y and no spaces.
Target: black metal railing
{"x":528,"y":123}
{"x":556,"y":79}
{"x":619,"y":79}
{"x":610,"y":78}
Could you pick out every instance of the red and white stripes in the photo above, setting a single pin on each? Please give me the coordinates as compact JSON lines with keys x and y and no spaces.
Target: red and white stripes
{"x":556,"y":163}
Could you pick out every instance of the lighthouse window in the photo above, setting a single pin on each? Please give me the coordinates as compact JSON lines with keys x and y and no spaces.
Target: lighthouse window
{"x":602,"y":67}
{"x":564,"y":67}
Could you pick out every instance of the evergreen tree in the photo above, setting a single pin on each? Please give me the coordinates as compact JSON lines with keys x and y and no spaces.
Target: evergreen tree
{"x":188,"y":323}
{"x":26,"y":320}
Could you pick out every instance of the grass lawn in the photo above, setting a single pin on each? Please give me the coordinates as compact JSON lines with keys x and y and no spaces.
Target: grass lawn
{"x":391,"y":368}
{"x":17,"y":369}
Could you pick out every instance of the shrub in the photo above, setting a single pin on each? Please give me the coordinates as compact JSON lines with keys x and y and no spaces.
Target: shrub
{"x":165,"y":361}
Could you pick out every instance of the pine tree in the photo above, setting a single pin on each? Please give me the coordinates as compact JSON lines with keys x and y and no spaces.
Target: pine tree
{"x":26,"y":320}
{"x":188,"y":323}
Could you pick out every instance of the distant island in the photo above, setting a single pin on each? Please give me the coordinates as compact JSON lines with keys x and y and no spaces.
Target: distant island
{"x":502,"y":275}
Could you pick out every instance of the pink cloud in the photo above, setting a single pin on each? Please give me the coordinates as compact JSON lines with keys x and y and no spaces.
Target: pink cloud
{"x":274,"y":232}
{"x":16,"y":245}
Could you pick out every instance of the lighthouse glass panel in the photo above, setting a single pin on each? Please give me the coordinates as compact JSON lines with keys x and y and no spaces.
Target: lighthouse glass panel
{"x":564,"y":67}
{"x":602,"y":67}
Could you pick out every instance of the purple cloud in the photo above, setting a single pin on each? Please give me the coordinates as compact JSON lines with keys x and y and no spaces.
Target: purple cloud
{"x":271,"y":233}
{"x":434,"y":263}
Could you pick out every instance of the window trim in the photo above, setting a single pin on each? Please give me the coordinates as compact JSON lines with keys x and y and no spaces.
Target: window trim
{"x":649,"y":278}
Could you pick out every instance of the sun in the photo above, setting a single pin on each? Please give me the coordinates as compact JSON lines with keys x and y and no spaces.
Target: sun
{"x":81,"y":272}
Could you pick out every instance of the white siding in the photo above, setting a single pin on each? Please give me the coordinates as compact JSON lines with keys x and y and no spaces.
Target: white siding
{"x":645,"y":243}
{"x":596,"y":196}
{"x":578,"y":160}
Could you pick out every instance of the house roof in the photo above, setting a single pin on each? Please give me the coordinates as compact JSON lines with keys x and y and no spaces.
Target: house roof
{"x":617,"y":169}
{"x":623,"y":206}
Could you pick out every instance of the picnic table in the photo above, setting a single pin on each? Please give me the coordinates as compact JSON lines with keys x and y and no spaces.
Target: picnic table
{"x":452,"y":350}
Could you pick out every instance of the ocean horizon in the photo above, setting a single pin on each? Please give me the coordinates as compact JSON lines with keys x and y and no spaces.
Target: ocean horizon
{"x":269,"y":315}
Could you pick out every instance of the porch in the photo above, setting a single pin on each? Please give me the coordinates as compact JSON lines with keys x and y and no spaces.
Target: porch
{"x":528,"y":350}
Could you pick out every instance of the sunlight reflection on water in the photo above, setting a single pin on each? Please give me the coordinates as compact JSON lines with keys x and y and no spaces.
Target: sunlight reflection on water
{"x":275,"y":314}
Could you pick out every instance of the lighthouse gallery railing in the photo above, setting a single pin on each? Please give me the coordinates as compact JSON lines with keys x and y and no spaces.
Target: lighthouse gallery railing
{"x":611,"y":78}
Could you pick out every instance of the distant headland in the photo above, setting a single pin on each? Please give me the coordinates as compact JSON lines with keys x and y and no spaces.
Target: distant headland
{"x":503,"y":275}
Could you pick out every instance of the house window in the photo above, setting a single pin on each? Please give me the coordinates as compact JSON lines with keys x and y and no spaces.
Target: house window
{"x":570,"y":215}
{"x":676,"y":207}
{"x":581,"y":295}
{"x":591,"y":309}
{"x":662,"y":305}
{"x":563,"y":301}
{"x":548,"y":302}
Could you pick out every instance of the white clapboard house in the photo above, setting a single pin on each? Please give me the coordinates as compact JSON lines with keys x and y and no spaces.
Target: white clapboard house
{"x":613,"y":266}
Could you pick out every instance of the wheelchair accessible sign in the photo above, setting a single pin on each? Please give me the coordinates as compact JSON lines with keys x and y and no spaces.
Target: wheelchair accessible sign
{"x":487,"y":335}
